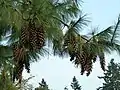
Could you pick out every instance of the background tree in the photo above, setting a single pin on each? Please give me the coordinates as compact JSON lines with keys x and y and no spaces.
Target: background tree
{"x":25,"y":85}
{"x":65,"y":88}
{"x":5,"y":81}
{"x":75,"y":85}
{"x":42,"y":86}
{"x":111,"y":77}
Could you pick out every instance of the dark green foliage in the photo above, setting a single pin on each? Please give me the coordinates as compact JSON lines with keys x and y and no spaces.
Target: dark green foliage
{"x":65,"y":88}
{"x":33,"y":23}
{"x":42,"y":86}
{"x":111,"y":77}
{"x":30,"y":24}
{"x":5,"y":81}
{"x":75,"y":85}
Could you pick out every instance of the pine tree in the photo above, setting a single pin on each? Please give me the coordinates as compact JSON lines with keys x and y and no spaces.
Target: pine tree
{"x":75,"y":85}
{"x":42,"y":86}
{"x":111,"y":77}
{"x":65,"y":88}
{"x":30,"y":24}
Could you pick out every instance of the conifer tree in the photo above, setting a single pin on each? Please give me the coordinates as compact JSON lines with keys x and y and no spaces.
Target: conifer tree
{"x":42,"y":86}
{"x":111,"y":77}
{"x":75,"y":85}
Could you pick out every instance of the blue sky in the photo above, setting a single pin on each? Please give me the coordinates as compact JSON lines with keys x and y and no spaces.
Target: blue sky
{"x":58,"y":72}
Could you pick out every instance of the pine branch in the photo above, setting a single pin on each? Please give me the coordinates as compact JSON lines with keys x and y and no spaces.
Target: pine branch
{"x":72,"y":26}
{"x":99,"y":34}
{"x":115,"y":29}
{"x":82,"y":37}
{"x":26,"y":80}
{"x":61,"y":21}
{"x":80,"y":19}
{"x":77,"y":22}
{"x":21,"y":15}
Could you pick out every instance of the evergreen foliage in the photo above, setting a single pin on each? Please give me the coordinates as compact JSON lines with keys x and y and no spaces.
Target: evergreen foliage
{"x":42,"y":86}
{"x":75,"y":85}
{"x":111,"y":77}
{"x":27,"y":26}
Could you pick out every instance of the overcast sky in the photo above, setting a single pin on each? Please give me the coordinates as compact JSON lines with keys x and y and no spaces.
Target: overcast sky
{"x":58,"y":72}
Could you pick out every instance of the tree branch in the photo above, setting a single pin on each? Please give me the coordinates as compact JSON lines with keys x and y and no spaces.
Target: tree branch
{"x":61,"y":21}
{"x":80,"y":18}
{"x":115,"y":29}
{"x":72,"y":26}
{"x":99,"y":33}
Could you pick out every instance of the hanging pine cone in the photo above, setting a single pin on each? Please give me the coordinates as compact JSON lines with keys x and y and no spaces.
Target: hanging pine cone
{"x":19,"y":54}
{"x":27,"y":63}
{"x":88,"y":67}
{"x":80,"y":60}
{"x":83,"y":62}
{"x":32,"y":38}
{"x":102,"y":61}
{"x":94,"y":58}
{"x":84,"y":59}
{"x":33,"y":35}
{"x":25,"y":35}
{"x":90,"y":57}
{"x":66,"y":42}
{"x":19,"y":70}
{"x":40,"y":37}
{"x":70,"y":44}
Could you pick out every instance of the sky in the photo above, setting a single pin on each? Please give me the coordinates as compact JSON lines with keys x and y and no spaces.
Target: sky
{"x":58,"y":72}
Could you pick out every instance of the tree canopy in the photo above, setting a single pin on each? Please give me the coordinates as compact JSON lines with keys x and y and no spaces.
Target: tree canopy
{"x":27,"y":27}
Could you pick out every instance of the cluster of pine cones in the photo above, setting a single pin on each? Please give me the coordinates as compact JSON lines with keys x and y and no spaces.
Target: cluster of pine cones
{"x":32,"y":38}
{"x":82,"y":58}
